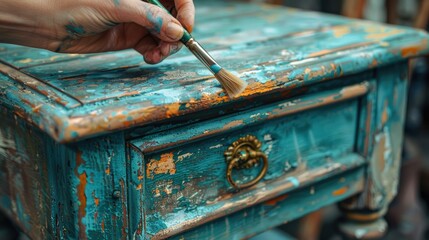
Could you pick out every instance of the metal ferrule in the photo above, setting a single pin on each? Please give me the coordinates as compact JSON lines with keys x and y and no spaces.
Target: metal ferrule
{"x":203,"y":55}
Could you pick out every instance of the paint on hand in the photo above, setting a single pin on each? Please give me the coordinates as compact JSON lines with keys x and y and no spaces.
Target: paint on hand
{"x":75,"y":30}
{"x":116,"y":2}
{"x":156,"y":21}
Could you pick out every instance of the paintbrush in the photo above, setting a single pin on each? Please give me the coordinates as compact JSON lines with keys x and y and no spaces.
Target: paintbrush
{"x":231,"y":83}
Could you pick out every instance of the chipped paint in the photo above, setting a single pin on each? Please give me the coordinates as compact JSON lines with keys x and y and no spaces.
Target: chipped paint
{"x":165,"y":165}
{"x":340,"y":191}
{"x":289,"y":68}
{"x":294,"y":181}
{"x":183,"y":156}
{"x":216,"y":146}
{"x":274,"y":201}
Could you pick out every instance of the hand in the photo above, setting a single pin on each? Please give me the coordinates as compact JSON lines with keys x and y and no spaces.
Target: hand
{"x":88,"y":26}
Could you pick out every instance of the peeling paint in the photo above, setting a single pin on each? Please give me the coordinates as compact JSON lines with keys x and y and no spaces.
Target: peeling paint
{"x":165,"y":165}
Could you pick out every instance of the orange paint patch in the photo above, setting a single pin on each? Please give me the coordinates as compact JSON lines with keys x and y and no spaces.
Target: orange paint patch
{"x":102,"y":226}
{"x":233,"y":124}
{"x":139,"y":187}
{"x":320,"y":53}
{"x":82,"y":206}
{"x":385,"y":115}
{"x":107,"y":171}
{"x":274,"y":201}
{"x":340,"y":191}
{"x":165,"y":165}
{"x":96,"y":200}
{"x":373,"y":64}
{"x":81,"y":194}
{"x":413,"y":50}
{"x":172,"y":110}
{"x":340,"y":31}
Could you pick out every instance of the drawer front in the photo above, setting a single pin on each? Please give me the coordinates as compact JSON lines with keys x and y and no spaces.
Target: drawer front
{"x":179,"y":177}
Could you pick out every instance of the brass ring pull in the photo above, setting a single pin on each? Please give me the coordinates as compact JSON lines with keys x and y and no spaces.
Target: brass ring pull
{"x":245,"y":153}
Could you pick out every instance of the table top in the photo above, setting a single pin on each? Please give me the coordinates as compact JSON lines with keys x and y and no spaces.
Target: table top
{"x":274,"y":49}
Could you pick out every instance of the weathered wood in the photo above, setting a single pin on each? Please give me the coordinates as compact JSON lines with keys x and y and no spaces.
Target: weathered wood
{"x":269,"y":47}
{"x":383,"y":133}
{"x":62,"y":191}
{"x":280,"y":210}
{"x":179,"y":175}
{"x":326,"y":100}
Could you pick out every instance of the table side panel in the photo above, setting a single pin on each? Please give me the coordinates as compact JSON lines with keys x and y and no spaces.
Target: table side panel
{"x":62,"y":191}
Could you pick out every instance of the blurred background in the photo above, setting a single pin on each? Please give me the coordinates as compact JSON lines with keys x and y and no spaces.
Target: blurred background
{"x":408,"y":216}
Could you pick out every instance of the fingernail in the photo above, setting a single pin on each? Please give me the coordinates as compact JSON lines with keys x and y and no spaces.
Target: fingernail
{"x":174,"y":31}
{"x":175,"y":48}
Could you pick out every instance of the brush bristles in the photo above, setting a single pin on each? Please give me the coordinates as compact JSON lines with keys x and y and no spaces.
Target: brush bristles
{"x":232,"y":84}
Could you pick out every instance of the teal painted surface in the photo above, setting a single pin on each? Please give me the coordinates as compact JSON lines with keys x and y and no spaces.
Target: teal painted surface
{"x":273,"y":49}
{"x":326,"y":97}
{"x":55,"y":191}
{"x":280,"y":210}
{"x":188,"y":181}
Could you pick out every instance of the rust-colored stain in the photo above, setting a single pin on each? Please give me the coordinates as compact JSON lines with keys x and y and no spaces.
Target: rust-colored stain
{"x":340,"y":31}
{"x":81,"y":194}
{"x":340,"y":191}
{"x":172,"y":110}
{"x":82,"y":206}
{"x":139,"y":187}
{"x":379,"y":33}
{"x":373,"y":64}
{"x":274,"y":201}
{"x":414,"y":50}
{"x":165,"y":165}
{"x":107,"y":171}
{"x":256,"y":87}
{"x":102,"y":225}
{"x":96,"y":200}
{"x":233,"y":124}
{"x":320,"y":53}
{"x":385,"y":115}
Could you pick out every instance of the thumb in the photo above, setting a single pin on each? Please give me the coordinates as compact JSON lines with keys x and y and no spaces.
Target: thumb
{"x":156,"y":20}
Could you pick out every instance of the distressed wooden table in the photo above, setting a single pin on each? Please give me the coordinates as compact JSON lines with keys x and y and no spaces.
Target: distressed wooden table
{"x":103,"y":146}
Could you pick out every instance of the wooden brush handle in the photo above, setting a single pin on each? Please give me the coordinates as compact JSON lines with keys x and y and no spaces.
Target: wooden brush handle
{"x":186,"y":35}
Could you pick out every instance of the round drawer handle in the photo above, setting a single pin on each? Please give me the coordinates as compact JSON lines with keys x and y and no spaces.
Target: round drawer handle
{"x":245,"y":153}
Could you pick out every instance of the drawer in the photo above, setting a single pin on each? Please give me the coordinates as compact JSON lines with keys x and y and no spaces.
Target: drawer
{"x":180,"y":178}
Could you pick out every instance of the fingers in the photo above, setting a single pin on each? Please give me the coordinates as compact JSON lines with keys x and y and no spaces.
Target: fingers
{"x":162,"y":50}
{"x":155,"y":19}
{"x":186,"y":13}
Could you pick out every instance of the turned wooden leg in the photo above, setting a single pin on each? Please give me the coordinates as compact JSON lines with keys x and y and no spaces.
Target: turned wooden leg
{"x":363,"y":225}
{"x":380,"y":142}
{"x":363,"y":214}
